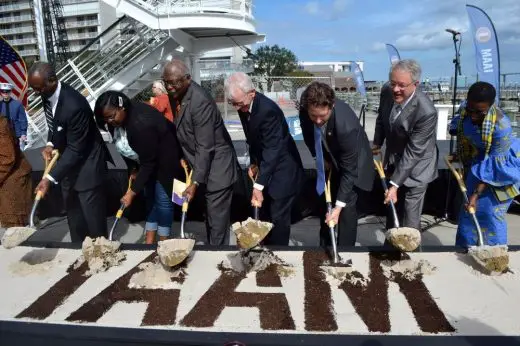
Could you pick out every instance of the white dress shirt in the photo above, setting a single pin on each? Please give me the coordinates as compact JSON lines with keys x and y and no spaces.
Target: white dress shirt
{"x":54,"y":103}
{"x":396,"y":116}
{"x":255,"y":185}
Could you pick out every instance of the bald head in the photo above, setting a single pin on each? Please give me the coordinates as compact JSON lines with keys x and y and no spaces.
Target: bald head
{"x":42,"y":79}
{"x":176,"y":68}
{"x":43,"y":69}
{"x":176,"y":78}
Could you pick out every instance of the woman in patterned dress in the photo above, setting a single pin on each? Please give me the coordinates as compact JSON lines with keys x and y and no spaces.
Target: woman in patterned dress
{"x":15,"y":179}
{"x":490,"y":155}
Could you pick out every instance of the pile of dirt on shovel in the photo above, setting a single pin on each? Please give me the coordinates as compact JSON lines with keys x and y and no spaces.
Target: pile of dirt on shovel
{"x":251,"y":232}
{"x":404,"y":238}
{"x":100,"y":254}
{"x":14,"y":236}
{"x":493,"y":258}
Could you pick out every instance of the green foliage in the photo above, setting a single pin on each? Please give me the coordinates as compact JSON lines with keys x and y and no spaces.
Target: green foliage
{"x":274,"y":61}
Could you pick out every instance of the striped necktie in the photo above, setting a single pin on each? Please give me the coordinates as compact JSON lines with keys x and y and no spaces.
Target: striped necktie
{"x":48,"y":114}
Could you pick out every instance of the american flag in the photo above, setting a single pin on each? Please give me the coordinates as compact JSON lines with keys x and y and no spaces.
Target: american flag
{"x":13,"y":70}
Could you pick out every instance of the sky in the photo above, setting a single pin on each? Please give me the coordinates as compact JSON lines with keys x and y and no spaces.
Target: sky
{"x":342,"y":30}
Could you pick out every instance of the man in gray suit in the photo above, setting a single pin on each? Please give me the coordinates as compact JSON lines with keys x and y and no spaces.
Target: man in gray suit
{"x":207,"y":147}
{"x":407,"y":119}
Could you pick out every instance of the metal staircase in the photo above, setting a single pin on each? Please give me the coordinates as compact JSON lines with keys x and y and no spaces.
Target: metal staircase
{"x":115,"y":59}
{"x":129,"y":54}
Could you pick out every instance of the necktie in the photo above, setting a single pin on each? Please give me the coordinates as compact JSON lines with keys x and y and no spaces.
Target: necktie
{"x":397,"y":110}
{"x":320,"y":167}
{"x":48,"y":115}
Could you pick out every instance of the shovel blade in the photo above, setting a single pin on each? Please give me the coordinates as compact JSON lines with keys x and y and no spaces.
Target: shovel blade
{"x":173,"y":252}
{"x":14,"y":236}
{"x":404,"y":238}
{"x":251,"y":232}
{"x":494,"y":259}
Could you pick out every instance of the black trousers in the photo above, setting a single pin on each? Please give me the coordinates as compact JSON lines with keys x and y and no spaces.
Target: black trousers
{"x":347,"y":223}
{"x":86,"y":212}
{"x":218,"y":212}
{"x":278,"y":212}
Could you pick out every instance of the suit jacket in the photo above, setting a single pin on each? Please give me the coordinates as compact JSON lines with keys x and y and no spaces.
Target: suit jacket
{"x":204,"y":140}
{"x":155,"y":142}
{"x":83,"y":153}
{"x":350,"y":152}
{"x":272,"y":148}
{"x":411,"y":143}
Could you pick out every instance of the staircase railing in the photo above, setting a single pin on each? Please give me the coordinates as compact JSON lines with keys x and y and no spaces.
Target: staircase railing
{"x":243,"y":8}
{"x":91,"y":72}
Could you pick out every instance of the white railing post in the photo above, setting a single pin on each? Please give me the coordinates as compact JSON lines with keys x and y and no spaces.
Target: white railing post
{"x":81,"y":78}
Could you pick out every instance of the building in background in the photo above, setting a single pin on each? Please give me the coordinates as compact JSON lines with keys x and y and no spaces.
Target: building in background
{"x":340,"y":72}
{"x":22,"y":25}
{"x":18,"y":27}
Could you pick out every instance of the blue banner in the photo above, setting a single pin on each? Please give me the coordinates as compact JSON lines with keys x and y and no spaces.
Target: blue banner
{"x":486,"y":47}
{"x":392,"y":53}
{"x":360,"y":81}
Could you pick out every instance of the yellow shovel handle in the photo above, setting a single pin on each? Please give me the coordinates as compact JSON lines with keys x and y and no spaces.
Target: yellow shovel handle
{"x":379,"y":168}
{"x":328,"y":198}
{"x":188,"y":173}
{"x":253,"y":179}
{"x":121,"y":209}
{"x":49,"y":164}
{"x":456,"y":174}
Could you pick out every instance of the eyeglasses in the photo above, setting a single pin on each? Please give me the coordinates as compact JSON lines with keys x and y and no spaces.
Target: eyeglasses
{"x":475,"y":112}
{"x":111,"y":117}
{"x":400,"y":85}
{"x":175,"y":83}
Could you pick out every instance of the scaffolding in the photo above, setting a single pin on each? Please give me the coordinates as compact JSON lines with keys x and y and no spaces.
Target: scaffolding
{"x":56,"y":39}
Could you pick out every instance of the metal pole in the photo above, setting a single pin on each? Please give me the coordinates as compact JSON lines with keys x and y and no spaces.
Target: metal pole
{"x":457,"y":71}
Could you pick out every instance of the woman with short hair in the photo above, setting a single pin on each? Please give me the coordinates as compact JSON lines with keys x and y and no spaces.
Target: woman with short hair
{"x":490,"y":155}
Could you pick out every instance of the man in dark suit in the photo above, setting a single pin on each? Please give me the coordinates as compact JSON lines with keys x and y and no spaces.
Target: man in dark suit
{"x":336,"y":139}
{"x":275,"y":160}
{"x":207,"y":147}
{"x":81,"y":168}
{"x":407,"y":120}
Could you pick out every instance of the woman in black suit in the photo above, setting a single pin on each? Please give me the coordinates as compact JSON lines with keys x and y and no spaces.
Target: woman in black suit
{"x":143,"y":136}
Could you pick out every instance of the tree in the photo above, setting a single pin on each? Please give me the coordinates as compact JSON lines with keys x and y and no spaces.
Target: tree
{"x":273,"y":61}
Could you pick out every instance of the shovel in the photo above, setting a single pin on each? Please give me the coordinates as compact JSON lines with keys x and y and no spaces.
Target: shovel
{"x":173,"y":252}
{"x":251,"y":232}
{"x":495,"y":258}
{"x":403,"y":238}
{"x":14,"y":236}
{"x":331,"y":224}
{"x":119,"y":213}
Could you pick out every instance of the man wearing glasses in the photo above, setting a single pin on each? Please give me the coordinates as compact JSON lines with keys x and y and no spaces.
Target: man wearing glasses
{"x":207,"y":147}
{"x":407,"y":120}
{"x":275,"y":160}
